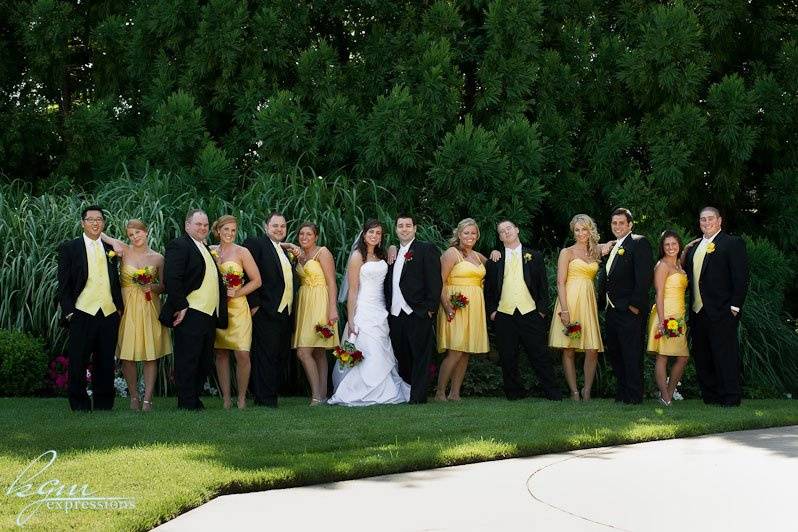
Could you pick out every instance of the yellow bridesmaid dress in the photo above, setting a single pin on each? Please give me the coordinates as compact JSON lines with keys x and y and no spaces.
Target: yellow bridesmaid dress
{"x":468,"y":330}
{"x":238,"y":335}
{"x":580,"y":294}
{"x":141,"y":335}
{"x":311,"y":307}
{"x":675,"y":286}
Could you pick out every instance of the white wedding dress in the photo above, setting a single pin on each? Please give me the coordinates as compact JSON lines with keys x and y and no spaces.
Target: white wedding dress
{"x":375,"y":380}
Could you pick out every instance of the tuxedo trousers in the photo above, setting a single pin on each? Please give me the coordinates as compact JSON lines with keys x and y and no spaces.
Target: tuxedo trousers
{"x":624,"y":348}
{"x":193,"y":347}
{"x":529,"y":330}
{"x":89,"y":335}
{"x":413,"y":341}
{"x":716,"y":353}
{"x":271,"y":337}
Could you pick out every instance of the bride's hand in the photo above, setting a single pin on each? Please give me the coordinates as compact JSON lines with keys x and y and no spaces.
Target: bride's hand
{"x":495,"y":255}
{"x":390,"y":256}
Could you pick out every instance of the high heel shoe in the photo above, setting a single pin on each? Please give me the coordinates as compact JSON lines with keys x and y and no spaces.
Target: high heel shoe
{"x":135,"y":403}
{"x":147,"y":406}
{"x":585,"y":395}
{"x":316,"y":402}
{"x":575,"y":396}
{"x":664,"y":402}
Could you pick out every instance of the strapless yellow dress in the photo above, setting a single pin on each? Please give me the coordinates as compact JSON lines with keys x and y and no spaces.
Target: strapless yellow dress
{"x":311,"y":308}
{"x":238,"y":335}
{"x":674,"y":307}
{"x":141,"y":335}
{"x":468,"y":331}
{"x":580,"y":293}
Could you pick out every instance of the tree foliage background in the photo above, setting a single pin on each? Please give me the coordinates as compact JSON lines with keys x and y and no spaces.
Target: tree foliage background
{"x":528,"y":109}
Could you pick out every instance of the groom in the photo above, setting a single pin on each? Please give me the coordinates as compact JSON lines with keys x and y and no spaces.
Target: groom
{"x":623,"y":289}
{"x":412,"y":293}
{"x":717,"y":269}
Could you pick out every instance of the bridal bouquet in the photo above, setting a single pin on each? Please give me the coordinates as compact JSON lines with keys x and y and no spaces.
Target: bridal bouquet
{"x":573,"y":330}
{"x":347,"y":355}
{"x":143,"y":277}
{"x":457,"y":301}
{"x":670,"y":328}
{"x":232,"y":278}
{"x":325,"y":330}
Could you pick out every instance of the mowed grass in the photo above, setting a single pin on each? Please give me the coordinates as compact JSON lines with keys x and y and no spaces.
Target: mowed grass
{"x":170,"y":461}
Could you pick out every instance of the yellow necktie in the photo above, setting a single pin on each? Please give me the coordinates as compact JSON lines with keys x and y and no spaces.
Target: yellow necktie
{"x":698,"y":263}
{"x":288,"y":291}
{"x":612,"y":256}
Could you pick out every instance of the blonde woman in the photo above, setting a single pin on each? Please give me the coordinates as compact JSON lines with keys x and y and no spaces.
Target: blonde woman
{"x":235,"y":263}
{"x":142,"y":338}
{"x":461,"y":331}
{"x":577,"y":268}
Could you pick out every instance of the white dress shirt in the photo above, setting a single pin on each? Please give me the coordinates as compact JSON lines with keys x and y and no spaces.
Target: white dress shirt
{"x":612,"y":258}
{"x":398,"y":302}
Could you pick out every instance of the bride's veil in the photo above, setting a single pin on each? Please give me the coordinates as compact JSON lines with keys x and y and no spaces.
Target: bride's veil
{"x":343,"y":292}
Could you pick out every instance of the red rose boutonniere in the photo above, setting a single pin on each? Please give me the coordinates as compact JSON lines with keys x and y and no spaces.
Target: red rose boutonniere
{"x":409,"y":256}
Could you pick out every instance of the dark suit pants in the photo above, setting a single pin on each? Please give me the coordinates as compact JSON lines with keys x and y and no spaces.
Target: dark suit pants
{"x":413,"y":340}
{"x":716,"y":353}
{"x":92,"y":334}
{"x":625,"y":353}
{"x":270,"y":346}
{"x":530,"y":331}
{"x":193,"y":344}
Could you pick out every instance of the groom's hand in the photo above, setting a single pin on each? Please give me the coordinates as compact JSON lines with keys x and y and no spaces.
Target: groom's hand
{"x":634,"y":310}
{"x":493,"y":316}
{"x":429,"y":313}
{"x":179,"y":316}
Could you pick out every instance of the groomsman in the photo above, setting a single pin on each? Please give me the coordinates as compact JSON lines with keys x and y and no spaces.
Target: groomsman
{"x":91,"y":302}
{"x":717,"y":269}
{"x":195,"y":307}
{"x":412,"y":293}
{"x":517,"y":301}
{"x":271,"y":306}
{"x":624,"y":282}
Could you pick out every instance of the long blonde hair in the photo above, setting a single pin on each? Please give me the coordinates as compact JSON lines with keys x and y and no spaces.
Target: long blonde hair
{"x":593,"y":234}
{"x":454,"y":241}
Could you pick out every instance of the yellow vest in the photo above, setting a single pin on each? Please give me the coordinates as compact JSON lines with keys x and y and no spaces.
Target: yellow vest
{"x":96,"y":295}
{"x":288,"y":292}
{"x":698,"y":263}
{"x":515,"y":294}
{"x":206,"y":298}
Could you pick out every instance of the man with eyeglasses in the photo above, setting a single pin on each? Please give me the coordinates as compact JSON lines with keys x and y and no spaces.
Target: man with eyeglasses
{"x":91,"y":303}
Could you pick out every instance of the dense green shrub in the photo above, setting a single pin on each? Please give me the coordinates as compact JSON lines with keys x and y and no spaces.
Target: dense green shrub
{"x":23,"y":363}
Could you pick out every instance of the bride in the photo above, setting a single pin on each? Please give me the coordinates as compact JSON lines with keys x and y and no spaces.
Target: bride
{"x":375,"y":380}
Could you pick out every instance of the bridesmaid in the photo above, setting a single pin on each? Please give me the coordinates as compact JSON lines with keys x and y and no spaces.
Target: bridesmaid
{"x":462,"y":331}
{"x":316,"y":305}
{"x":576,"y":302}
{"x":142,"y":338}
{"x":670,"y":282}
{"x":234,"y":259}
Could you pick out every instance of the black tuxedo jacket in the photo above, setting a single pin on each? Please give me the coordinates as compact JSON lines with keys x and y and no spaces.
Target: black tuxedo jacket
{"x":270,"y":292}
{"x":724,"y":275}
{"x":630,"y":276}
{"x":184,"y":270}
{"x":73,"y":272}
{"x":534,"y":278}
{"x":420,"y":282}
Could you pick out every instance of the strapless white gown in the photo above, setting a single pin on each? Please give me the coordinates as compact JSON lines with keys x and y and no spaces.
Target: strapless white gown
{"x":375,"y":380}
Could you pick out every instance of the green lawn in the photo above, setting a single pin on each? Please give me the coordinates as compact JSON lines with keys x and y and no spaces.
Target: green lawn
{"x":170,"y":461}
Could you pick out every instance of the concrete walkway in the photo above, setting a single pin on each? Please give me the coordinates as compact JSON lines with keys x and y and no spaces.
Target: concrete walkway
{"x":738,"y":481}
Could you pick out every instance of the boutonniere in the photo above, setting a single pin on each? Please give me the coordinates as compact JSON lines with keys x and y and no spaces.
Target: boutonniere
{"x":111,"y":254}
{"x":527,"y":257}
{"x":711,"y":247}
{"x":621,"y":251}
{"x":214,"y":254}
{"x":291,"y":256}
{"x":409,"y":256}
